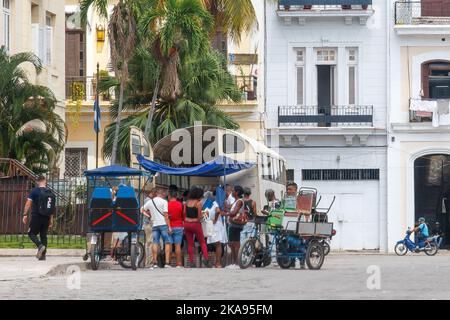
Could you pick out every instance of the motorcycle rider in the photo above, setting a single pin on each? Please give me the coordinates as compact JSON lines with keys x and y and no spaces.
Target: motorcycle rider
{"x":421,"y":232}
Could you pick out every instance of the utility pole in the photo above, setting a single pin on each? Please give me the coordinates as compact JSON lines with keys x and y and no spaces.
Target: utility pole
{"x":96,"y":114}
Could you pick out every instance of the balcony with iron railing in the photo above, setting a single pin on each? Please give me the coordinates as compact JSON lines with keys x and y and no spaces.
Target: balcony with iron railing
{"x":331,"y":116}
{"x":84,"y":88}
{"x":430,"y":110}
{"x":422,"y":17}
{"x":323,"y":9}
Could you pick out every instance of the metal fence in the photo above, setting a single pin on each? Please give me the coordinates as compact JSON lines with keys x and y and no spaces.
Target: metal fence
{"x":417,"y":12}
{"x":325,"y":116}
{"x":248,"y":85}
{"x":85,"y":88}
{"x":70,"y":221}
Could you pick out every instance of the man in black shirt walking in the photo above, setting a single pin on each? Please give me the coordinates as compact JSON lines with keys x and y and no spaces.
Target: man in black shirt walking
{"x":42,"y":203}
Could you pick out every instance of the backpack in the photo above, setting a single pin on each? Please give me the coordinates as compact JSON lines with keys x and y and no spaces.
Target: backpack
{"x":46,"y":202}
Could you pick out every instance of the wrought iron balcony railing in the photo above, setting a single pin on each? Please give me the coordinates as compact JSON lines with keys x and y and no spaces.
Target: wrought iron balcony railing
{"x":84,"y":88}
{"x":332,"y":116}
{"x":248,"y":86}
{"x":323,"y":4}
{"x":425,"y":12}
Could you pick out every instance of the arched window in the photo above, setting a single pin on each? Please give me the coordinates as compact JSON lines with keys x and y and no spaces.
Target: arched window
{"x":436,"y":79}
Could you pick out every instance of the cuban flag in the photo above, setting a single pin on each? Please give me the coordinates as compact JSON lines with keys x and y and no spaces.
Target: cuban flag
{"x":97,"y":116}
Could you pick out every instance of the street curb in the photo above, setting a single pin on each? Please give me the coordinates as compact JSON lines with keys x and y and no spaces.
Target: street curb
{"x":50,"y":252}
{"x":63,"y":269}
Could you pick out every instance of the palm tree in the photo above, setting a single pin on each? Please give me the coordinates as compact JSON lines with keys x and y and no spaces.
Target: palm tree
{"x":176,"y":28}
{"x":122,"y":38}
{"x":233,"y":17}
{"x":204,"y":81}
{"x":30,"y":130}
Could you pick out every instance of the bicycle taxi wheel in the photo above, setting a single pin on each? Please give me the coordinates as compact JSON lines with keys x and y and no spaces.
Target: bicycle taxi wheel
{"x":246,"y":254}
{"x":96,"y":251}
{"x":125,"y":260}
{"x":315,"y":256}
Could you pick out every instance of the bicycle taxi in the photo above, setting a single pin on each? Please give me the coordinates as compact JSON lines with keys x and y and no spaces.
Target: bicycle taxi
{"x":114,"y":194}
{"x":294,"y":230}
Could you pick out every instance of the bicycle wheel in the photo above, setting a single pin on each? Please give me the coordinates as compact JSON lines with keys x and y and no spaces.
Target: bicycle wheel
{"x":96,"y":254}
{"x":326,"y":247}
{"x":246,"y":254}
{"x":134,"y":256}
{"x":125,"y":261}
{"x":315,"y":256}
{"x":283,"y":259}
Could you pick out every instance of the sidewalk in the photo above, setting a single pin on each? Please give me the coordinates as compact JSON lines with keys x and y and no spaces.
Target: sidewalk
{"x":21,"y":268}
{"x":50,"y":252}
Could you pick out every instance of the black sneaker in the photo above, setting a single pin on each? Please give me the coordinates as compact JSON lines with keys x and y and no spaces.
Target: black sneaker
{"x":206,"y":263}
{"x":40,"y":251}
{"x":43,"y":258}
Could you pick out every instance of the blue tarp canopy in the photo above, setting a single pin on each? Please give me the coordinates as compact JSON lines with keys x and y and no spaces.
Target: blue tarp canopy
{"x":220,"y":166}
{"x":113,"y":171}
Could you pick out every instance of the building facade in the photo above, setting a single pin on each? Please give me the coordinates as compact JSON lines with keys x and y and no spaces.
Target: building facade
{"x":37,"y":26}
{"x":85,"y":47}
{"x":326,"y":75}
{"x":419,"y":119}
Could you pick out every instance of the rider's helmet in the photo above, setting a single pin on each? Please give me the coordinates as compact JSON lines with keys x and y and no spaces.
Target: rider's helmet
{"x":421,"y":220}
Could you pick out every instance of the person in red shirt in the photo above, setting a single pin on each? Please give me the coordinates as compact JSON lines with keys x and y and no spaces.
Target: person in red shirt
{"x":175,"y":210}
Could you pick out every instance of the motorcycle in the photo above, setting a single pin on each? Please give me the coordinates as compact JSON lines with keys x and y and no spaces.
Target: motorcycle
{"x":429,"y":246}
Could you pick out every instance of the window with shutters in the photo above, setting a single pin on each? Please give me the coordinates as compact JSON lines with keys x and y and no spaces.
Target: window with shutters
{"x":300,"y":76}
{"x":6,"y":24}
{"x":43,"y":40}
{"x":436,"y":79}
{"x":75,"y":161}
{"x":48,"y":40}
{"x":352,"y":61}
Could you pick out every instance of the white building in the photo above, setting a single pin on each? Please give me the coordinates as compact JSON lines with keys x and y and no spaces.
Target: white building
{"x":326,"y":102}
{"x":419,"y":118}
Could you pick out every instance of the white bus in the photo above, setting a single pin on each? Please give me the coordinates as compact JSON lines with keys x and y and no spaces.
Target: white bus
{"x":207,"y":142}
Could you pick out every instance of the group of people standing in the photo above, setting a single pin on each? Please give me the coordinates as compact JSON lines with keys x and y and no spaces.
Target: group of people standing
{"x":169,"y":216}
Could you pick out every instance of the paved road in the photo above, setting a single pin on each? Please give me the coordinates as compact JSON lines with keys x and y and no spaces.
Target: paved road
{"x":342,"y":277}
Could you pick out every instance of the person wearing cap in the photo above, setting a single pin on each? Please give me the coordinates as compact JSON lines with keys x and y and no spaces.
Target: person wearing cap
{"x":421,"y":231}
{"x":437,"y":231}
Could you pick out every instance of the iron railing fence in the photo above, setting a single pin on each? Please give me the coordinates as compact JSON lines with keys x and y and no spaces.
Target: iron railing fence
{"x":70,"y":222}
{"x":420,"y":116}
{"x":325,"y":116}
{"x":248,"y":85}
{"x":418,"y":13}
{"x":292,"y":5}
{"x":85,"y":88}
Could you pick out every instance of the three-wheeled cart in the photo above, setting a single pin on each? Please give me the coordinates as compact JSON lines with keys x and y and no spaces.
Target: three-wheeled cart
{"x":114,"y":194}
{"x":298,"y":230}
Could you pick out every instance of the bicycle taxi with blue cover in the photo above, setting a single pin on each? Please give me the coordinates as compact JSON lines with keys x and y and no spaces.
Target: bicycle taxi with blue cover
{"x":114,"y":195}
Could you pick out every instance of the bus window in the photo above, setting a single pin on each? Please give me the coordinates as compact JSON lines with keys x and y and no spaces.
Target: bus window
{"x":135,"y":144}
{"x":275,"y":169}
{"x":282,"y":172}
{"x":232,"y":144}
{"x":266,"y":167}
{"x":146,"y":151}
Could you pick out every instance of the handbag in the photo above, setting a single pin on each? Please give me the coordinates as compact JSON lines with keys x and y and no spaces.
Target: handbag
{"x":207,"y":226}
{"x":241,"y":218}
